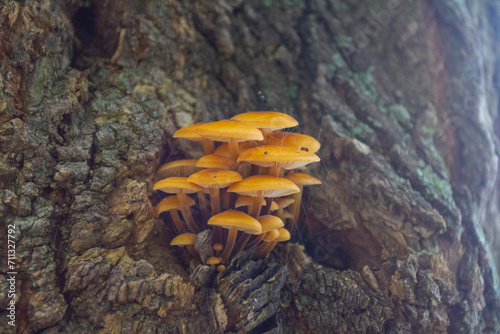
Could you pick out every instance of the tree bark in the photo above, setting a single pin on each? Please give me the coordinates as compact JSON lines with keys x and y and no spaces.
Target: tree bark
{"x":402,"y":236}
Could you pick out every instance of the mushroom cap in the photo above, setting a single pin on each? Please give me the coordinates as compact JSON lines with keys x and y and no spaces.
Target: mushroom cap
{"x":246,"y":201}
{"x":264,"y":186}
{"x":189,"y":132}
{"x":278,"y":156}
{"x":174,"y":185}
{"x":284,"y":235}
{"x":214,"y":161}
{"x":274,"y":206}
{"x":295,"y":140}
{"x":215,"y":178}
{"x":302,"y":179}
{"x":184,"y":167}
{"x":237,"y":220}
{"x":170,"y":203}
{"x":269,"y":222}
{"x":267,"y":120}
{"x":217,"y":247}
{"x":272,"y":235}
{"x":287,"y":214}
{"x":284,"y":202}
{"x":183,"y":239}
{"x":213,"y":260}
{"x":223,"y":149}
{"x":228,"y":130}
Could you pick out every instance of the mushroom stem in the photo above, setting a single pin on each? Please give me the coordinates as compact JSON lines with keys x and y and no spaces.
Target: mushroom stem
{"x":202,"y":200}
{"x":263,"y":251}
{"x":208,"y":146}
{"x":255,"y":170}
{"x":177,"y":221}
{"x":256,"y":206}
{"x":242,"y":242}
{"x":192,"y":251}
{"x":269,"y":202}
{"x":231,"y":238}
{"x":186,"y":213}
{"x":233,"y":150}
{"x":255,"y":241}
{"x":215,"y":204}
{"x":275,"y":171}
{"x":280,"y":212}
{"x":296,"y":208}
{"x":214,"y":201}
{"x":232,"y":200}
{"x":224,"y":198}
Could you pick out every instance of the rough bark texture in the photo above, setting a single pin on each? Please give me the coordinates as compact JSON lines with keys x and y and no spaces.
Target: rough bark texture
{"x":402,"y":237}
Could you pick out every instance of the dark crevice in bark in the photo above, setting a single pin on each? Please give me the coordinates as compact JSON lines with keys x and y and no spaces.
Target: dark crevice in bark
{"x":91,"y":161}
{"x":85,"y":32}
{"x":61,"y":222}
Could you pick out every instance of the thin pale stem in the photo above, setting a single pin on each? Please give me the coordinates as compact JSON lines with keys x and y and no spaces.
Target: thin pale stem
{"x":179,"y":226}
{"x":242,"y":242}
{"x":296,"y":208}
{"x":214,"y":201}
{"x":202,"y":200}
{"x":267,"y":209}
{"x":208,"y":146}
{"x":186,"y":213}
{"x":231,"y":238}
{"x":256,"y":206}
{"x":192,"y":251}
{"x":255,"y":241}
{"x":275,"y":171}
{"x":255,"y":170}
{"x":267,"y":250}
{"x":234,"y":150}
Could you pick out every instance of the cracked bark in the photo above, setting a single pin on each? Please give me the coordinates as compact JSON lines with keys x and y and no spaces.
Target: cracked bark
{"x":403,"y":96}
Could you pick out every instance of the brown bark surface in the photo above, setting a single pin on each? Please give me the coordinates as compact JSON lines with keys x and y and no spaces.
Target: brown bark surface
{"x":402,"y":237}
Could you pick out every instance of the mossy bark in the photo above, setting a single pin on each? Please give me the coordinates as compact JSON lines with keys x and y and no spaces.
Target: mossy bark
{"x":402,"y":236}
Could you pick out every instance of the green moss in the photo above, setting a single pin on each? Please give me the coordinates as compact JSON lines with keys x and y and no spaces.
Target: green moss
{"x":427,"y":130}
{"x":360,"y":130}
{"x":400,"y":114}
{"x":343,"y":41}
{"x":435,"y":187}
{"x":301,"y":4}
{"x":365,"y":82}
{"x":337,"y":62}
{"x":303,"y":300}
{"x":39,"y":80}
{"x":291,"y":92}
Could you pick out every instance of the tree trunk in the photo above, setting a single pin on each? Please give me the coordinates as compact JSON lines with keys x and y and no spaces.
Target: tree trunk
{"x":402,"y":236}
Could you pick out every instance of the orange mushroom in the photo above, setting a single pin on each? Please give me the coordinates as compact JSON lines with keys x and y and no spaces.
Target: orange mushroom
{"x":189,"y":132}
{"x":296,"y":140}
{"x":187,"y":240}
{"x":276,"y":158}
{"x":301,"y":180}
{"x":231,"y":132}
{"x":214,"y":179}
{"x":214,"y":161}
{"x":234,"y":221}
{"x":284,"y":235}
{"x":268,"y":223}
{"x":248,"y":202}
{"x":267,"y":121}
{"x":184,"y":167}
{"x":181,"y":187}
{"x":261,"y":186}
{"x":171,"y":204}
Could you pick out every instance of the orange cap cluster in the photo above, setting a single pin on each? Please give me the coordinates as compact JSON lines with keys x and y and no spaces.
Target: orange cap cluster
{"x":250,"y":179}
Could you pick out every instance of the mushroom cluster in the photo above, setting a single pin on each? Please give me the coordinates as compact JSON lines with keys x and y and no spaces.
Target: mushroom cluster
{"x":251,"y":180}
